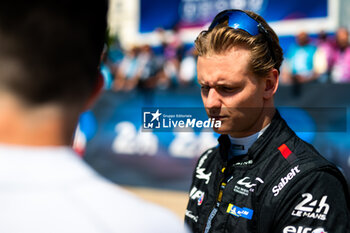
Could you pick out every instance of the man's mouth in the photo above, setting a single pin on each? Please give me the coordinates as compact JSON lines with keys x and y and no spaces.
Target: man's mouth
{"x":218,"y":117}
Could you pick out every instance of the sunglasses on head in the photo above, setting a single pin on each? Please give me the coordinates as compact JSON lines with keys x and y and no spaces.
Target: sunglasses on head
{"x":238,"y":19}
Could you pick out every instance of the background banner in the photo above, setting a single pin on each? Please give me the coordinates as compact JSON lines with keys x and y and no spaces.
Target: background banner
{"x":119,"y":149}
{"x":196,"y":13}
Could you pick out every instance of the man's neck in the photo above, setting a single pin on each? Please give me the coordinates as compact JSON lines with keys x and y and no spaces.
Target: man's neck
{"x":39,"y":126}
{"x":264,"y":119}
{"x":240,"y":146}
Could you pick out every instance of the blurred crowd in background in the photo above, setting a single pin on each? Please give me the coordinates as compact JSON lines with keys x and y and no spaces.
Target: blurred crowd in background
{"x":324,"y":59}
{"x":170,"y":65}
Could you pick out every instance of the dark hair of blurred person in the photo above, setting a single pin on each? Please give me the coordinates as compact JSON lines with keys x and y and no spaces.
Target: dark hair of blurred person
{"x":41,"y":42}
{"x":49,"y":54}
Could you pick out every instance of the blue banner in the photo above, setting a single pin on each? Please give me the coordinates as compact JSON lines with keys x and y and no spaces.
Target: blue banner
{"x":193,"y":13}
{"x":121,"y":150}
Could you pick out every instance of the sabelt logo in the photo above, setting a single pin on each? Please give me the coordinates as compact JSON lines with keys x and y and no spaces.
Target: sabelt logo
{"x":293,"y":229}
{"x":284,"y":180}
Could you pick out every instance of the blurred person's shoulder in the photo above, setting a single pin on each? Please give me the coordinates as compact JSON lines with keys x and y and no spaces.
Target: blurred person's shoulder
{"x":129,"y":213}
{"x":125,"y":212}
{"x":52,"y":188}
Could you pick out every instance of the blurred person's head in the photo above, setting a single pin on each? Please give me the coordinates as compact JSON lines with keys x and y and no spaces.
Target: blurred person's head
{"x":238,"y":66}
{"x":146,"y":49}
{"x":322,"y":36}
{"x":49,"y":57}
{"x":134,"y":51}
{"x":342,"y":38}
{"x":302,"y":38}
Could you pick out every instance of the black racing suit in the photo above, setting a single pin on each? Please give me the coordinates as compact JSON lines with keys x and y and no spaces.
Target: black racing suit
{"x":281,"y":185}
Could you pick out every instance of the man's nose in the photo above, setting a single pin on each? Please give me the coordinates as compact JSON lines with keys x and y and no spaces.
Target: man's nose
{"x":213,"y":99}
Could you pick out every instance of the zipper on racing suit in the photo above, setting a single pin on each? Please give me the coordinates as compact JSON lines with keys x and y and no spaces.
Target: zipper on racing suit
{"x":218,"y":202}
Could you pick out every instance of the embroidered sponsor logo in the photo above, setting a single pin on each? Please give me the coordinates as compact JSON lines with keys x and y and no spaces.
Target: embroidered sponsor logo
{"x":190,"y":215}
{"x":300,"y":229}
{"x":196,"y":194}
{"x":240,"y":212}
{"x":200,"y":200}
{"x":200,"y":172}
{"x":245,"y":163}
{"x":308,"y":208}
{"x":284,"y":180}
{"x":244,"y":186}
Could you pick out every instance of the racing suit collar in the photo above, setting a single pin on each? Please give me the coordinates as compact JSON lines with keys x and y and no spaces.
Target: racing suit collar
{"x":277,"y":123}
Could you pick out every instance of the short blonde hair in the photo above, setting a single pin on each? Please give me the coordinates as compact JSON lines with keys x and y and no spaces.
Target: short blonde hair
{"x":266,"y":53}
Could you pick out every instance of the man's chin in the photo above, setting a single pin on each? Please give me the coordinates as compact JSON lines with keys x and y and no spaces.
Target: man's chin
{"x":222,"y":130}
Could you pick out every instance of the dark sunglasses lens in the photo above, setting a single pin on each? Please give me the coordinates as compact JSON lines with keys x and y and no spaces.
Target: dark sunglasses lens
{"x":238,"y":20}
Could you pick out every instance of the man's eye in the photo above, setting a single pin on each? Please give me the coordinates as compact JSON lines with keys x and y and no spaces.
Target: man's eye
{"x":205,"y":88}
{"x":227,"y":89}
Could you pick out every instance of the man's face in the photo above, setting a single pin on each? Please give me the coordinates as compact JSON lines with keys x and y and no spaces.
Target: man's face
{"x":342,"y":37}
{"x":302,"y":38}
{"x":230,"y":92}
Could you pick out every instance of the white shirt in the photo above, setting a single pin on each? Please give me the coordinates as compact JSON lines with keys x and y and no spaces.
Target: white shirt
{"x":240,"y":146}
{"x":51,"y":190}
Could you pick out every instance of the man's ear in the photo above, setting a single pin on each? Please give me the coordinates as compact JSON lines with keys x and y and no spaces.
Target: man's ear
{"x":271,"y":84}
{"x":96,"y":92}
